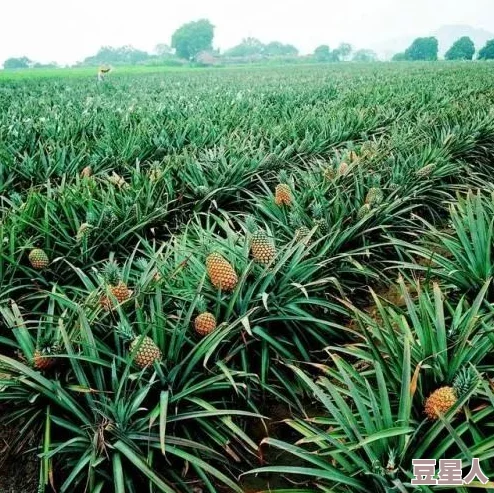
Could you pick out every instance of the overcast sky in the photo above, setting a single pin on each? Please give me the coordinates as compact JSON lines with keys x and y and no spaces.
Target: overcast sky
{"x":69,"y":30}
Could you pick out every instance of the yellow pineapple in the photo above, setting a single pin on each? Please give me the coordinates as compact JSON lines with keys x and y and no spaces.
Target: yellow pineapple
{"x":440,"y":401}
{"x":261,"y":246}
{"x":38,"y":259}
{"x":221,"y":272}
{"x":283,"y":192}
{"x":143,"y":349}
{"x":444,"y":398}
{"x":117,"y":288}
{"x":205,"y":322}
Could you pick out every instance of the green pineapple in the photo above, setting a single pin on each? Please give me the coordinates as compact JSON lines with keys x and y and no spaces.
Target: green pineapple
{"x":426,"y":171}
{"x":319,"y":219}
{"x":108,"y":217}
{"x":363,"y":211}
{"x":375,"y":194}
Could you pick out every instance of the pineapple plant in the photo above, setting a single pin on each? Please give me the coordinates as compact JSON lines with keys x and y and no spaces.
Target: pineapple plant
{"x":283,"y":192}
{"x":143,"y":349}
{"x":375,"y":194}
{"x":318,"y":218}
{"x":221,"y":272}
{"x":302,"y":232}
{"x":205,"y":322}
{"x":38,"y":259}
{"x":444,"y":398}
{"x":43,"y":355}
{"x":261,"y":246}
{"x":425,"y":171}
{"x":117,"y":288}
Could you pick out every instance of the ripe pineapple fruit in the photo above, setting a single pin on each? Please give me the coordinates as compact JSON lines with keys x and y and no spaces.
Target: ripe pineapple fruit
{"x":425,"y":171}
{"x":343,"y":169}
{"x":319,"y":219}
{"x":221,"y":272}
{"x":302,"y":232}
{"x":86,"y":172}
{"x":363,"y":211}
{"x":116,"y":286}
{"x":444,"y":398}
{"x":144,"y":350}
{"x":261,"y":246}
{"x":205,"y":322}
{"x":38,"y":259}
{"x":283,"y":192}
{"x":44,"y":352}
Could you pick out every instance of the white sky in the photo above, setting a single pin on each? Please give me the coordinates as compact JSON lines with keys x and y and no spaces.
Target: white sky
{"x":69,"y":30}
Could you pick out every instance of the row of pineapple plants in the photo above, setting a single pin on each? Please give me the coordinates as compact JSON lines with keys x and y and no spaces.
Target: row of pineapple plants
{"x":241,"y":249}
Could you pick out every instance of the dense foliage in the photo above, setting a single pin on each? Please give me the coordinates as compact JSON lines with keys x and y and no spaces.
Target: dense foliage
{"x":232,"y":280}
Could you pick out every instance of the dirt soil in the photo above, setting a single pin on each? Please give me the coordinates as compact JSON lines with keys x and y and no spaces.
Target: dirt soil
{"x":19,"y":471}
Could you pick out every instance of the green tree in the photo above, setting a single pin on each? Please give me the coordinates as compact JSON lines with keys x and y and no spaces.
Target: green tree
{"x":248,"y":47}
{"x":192,"y":38}
{"x":275,"y":48}
{"x":22,"y":62}
{"x":462,"y":49}
{"x":424,"y":49}
{"x":364,"y":56}
{"x":124,"y":55}
{"x":343,"y":51}
{"x":322,"y":53}
{"x":487,"y":52}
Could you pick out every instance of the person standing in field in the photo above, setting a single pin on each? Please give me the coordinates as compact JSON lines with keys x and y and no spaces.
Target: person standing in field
{"x":102,"y":71}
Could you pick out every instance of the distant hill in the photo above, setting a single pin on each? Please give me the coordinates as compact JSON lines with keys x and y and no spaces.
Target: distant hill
{"x":446,"y":36}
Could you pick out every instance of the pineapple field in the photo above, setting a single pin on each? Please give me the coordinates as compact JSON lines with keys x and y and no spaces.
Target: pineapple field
{"x":247,"y":280}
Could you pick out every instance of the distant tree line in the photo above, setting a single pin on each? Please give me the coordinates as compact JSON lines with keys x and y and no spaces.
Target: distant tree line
{"x":426,"y":49}
{"x":193,"y":42}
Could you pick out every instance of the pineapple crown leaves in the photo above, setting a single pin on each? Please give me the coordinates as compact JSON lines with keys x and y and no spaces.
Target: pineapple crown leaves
{"x":317,"y":210}
{"x":295,"y":219}
{"x":48,"y":344}
{"x":251,"y":224}
{"x":200,"y":304}
{"x":111,"y":273}
{"x":125,"y":331}
{"x":283,"y":177}
{"x":466,"y":379}
{"x":142,"y":264}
